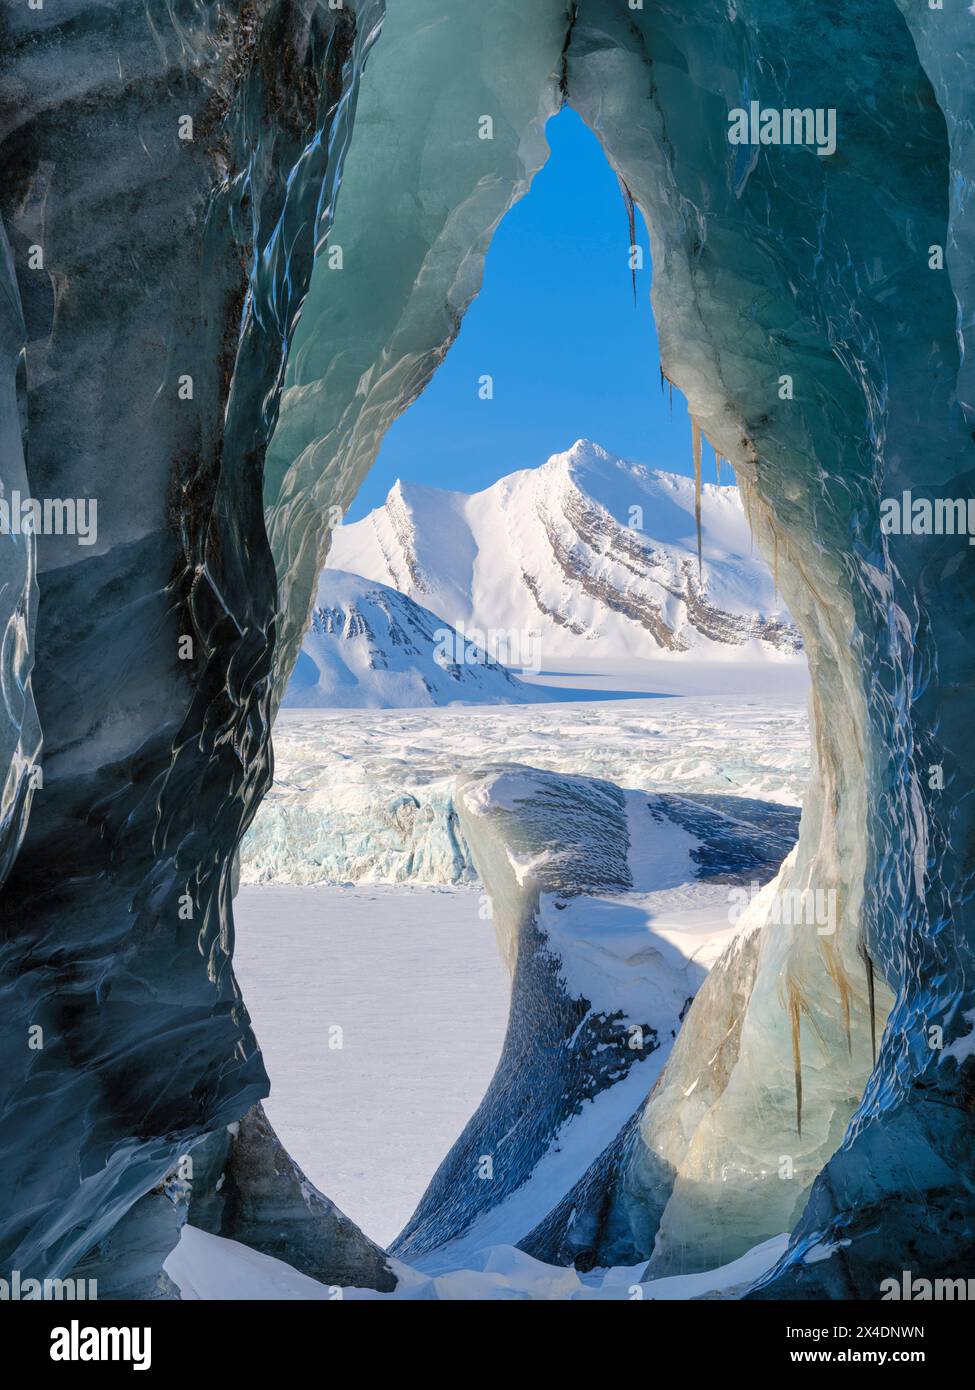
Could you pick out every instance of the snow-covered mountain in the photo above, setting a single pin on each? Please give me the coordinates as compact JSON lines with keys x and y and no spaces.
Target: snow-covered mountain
{"x":586,"y":556}
{"x":370,"y":647}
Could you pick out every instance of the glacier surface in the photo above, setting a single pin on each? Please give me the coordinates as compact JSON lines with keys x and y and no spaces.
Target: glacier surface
{"x":370,"y":796}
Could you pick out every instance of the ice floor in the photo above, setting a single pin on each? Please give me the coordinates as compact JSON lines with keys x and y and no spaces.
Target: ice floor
{"x":208,"y":1267}
{"x":413,"y":979}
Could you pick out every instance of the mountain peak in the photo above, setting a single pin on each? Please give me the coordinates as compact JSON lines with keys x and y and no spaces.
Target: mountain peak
{"x":586,"y":451}
{"x":595,"y":554}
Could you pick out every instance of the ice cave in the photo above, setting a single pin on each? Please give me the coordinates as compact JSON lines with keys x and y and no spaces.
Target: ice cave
{"x":239,"y":238}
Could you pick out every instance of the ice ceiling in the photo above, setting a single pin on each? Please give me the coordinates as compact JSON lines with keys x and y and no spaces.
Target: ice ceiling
{"x":152,"y":357}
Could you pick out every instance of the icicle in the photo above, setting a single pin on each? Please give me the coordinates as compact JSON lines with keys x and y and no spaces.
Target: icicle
{"x":838,"y":976}
{"x":717,"y":466}
{"x":795,"y":1014}
{"x":696,"y":451}
{"x":661,"y":380}
{"x":572,"y":16}
{"x":671,"y":398}
{"x":868,"y":963}
{"x":631,"y":222}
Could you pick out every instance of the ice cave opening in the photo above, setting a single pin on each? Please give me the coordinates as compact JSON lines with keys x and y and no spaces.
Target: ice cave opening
{"x":633,"y":585}
{"x":257,"y":338}
{"x":369,"y":818}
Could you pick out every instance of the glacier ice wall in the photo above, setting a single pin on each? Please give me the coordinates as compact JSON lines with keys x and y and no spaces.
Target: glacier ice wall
{"x":767,"y":266}
{"x":546,"y":844}
{"x":19,"y":728}
{"x":899,"y":1189}
{"x":612,"y":1215}
{"x":363,"y":798}
{"x":156,"y":330}
{"x":946,"y":47}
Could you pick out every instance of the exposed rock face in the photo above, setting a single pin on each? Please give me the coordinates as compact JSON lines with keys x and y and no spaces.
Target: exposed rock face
{"x":596,"y":556}
{"x":371,"y":647}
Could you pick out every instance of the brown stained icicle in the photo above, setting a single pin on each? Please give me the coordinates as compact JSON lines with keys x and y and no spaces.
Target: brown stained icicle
{"x":696,"y":451}
{"x":795,"y":1015}
{"x":868,"y":964}
{"x":797,"y":1004}
{"x":838,"y":976}
{"x":572,"y":16}
{"x":631,"y":222}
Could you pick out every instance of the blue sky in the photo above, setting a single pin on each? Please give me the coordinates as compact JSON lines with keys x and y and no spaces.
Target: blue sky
{"x":556,"y":327}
